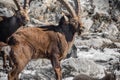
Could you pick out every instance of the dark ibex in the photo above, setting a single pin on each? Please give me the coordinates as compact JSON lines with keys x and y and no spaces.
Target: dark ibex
{"x":4,"y":53}
{"x":108,"y":76}
{"x":2,"y":44}
{"x":8,"y":25}
{"x":51,"y":42}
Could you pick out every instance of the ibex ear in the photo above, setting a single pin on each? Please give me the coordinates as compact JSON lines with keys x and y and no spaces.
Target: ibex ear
{"x":62,"y":20}
{"x":66,"y":18}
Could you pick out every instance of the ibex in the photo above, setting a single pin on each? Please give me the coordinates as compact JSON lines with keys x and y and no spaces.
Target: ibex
{"x":9,"y":25}
{"x":108,"y":76}
{"x":4,"y":53}
{"x":51,"y":42}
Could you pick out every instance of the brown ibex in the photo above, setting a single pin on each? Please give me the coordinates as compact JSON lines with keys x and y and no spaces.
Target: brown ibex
{"x":8,"y":25}
{"x":51,"y":42}
{"x":108,"y":76}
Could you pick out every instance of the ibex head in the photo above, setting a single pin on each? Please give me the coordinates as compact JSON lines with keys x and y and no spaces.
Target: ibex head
{"x":73,"y":19}
{"x":21,"y":13}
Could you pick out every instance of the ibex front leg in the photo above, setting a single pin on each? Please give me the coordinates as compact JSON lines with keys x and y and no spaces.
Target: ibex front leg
{"x":4,"y":60}
{"x":56,"y":65}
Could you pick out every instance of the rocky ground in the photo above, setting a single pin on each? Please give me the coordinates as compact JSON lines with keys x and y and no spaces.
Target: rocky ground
{"x":98,"y":47}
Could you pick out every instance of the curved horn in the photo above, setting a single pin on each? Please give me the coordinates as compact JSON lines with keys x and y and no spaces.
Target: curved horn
{"x":66,"y":18}
{"x":17,"y":5}
{"x":69,"y":7}
{"x":26,"y":3}
{"x":78,"y":8}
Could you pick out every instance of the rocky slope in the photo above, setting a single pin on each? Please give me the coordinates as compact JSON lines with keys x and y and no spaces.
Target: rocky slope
{"x":98,"y":47}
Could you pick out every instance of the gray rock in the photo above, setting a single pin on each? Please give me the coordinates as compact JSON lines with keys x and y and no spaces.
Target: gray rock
{"x":73,"y":52}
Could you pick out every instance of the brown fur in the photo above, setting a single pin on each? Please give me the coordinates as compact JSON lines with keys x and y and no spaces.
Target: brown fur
{"x":51,"y":42}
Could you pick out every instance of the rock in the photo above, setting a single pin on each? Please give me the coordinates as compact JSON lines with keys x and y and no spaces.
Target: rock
{"x":6,"y":8}
{"x":92,"y":40}
{"x":72,"y":67}
{"x":38,"y":69}
{"x":83,"y":77}
{"x":97,"y":48}
{"x":73,"y":52}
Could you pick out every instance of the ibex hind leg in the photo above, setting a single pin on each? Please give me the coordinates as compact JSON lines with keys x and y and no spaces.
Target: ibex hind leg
{"x":13,"y":73}
{"x":56,"y":65}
